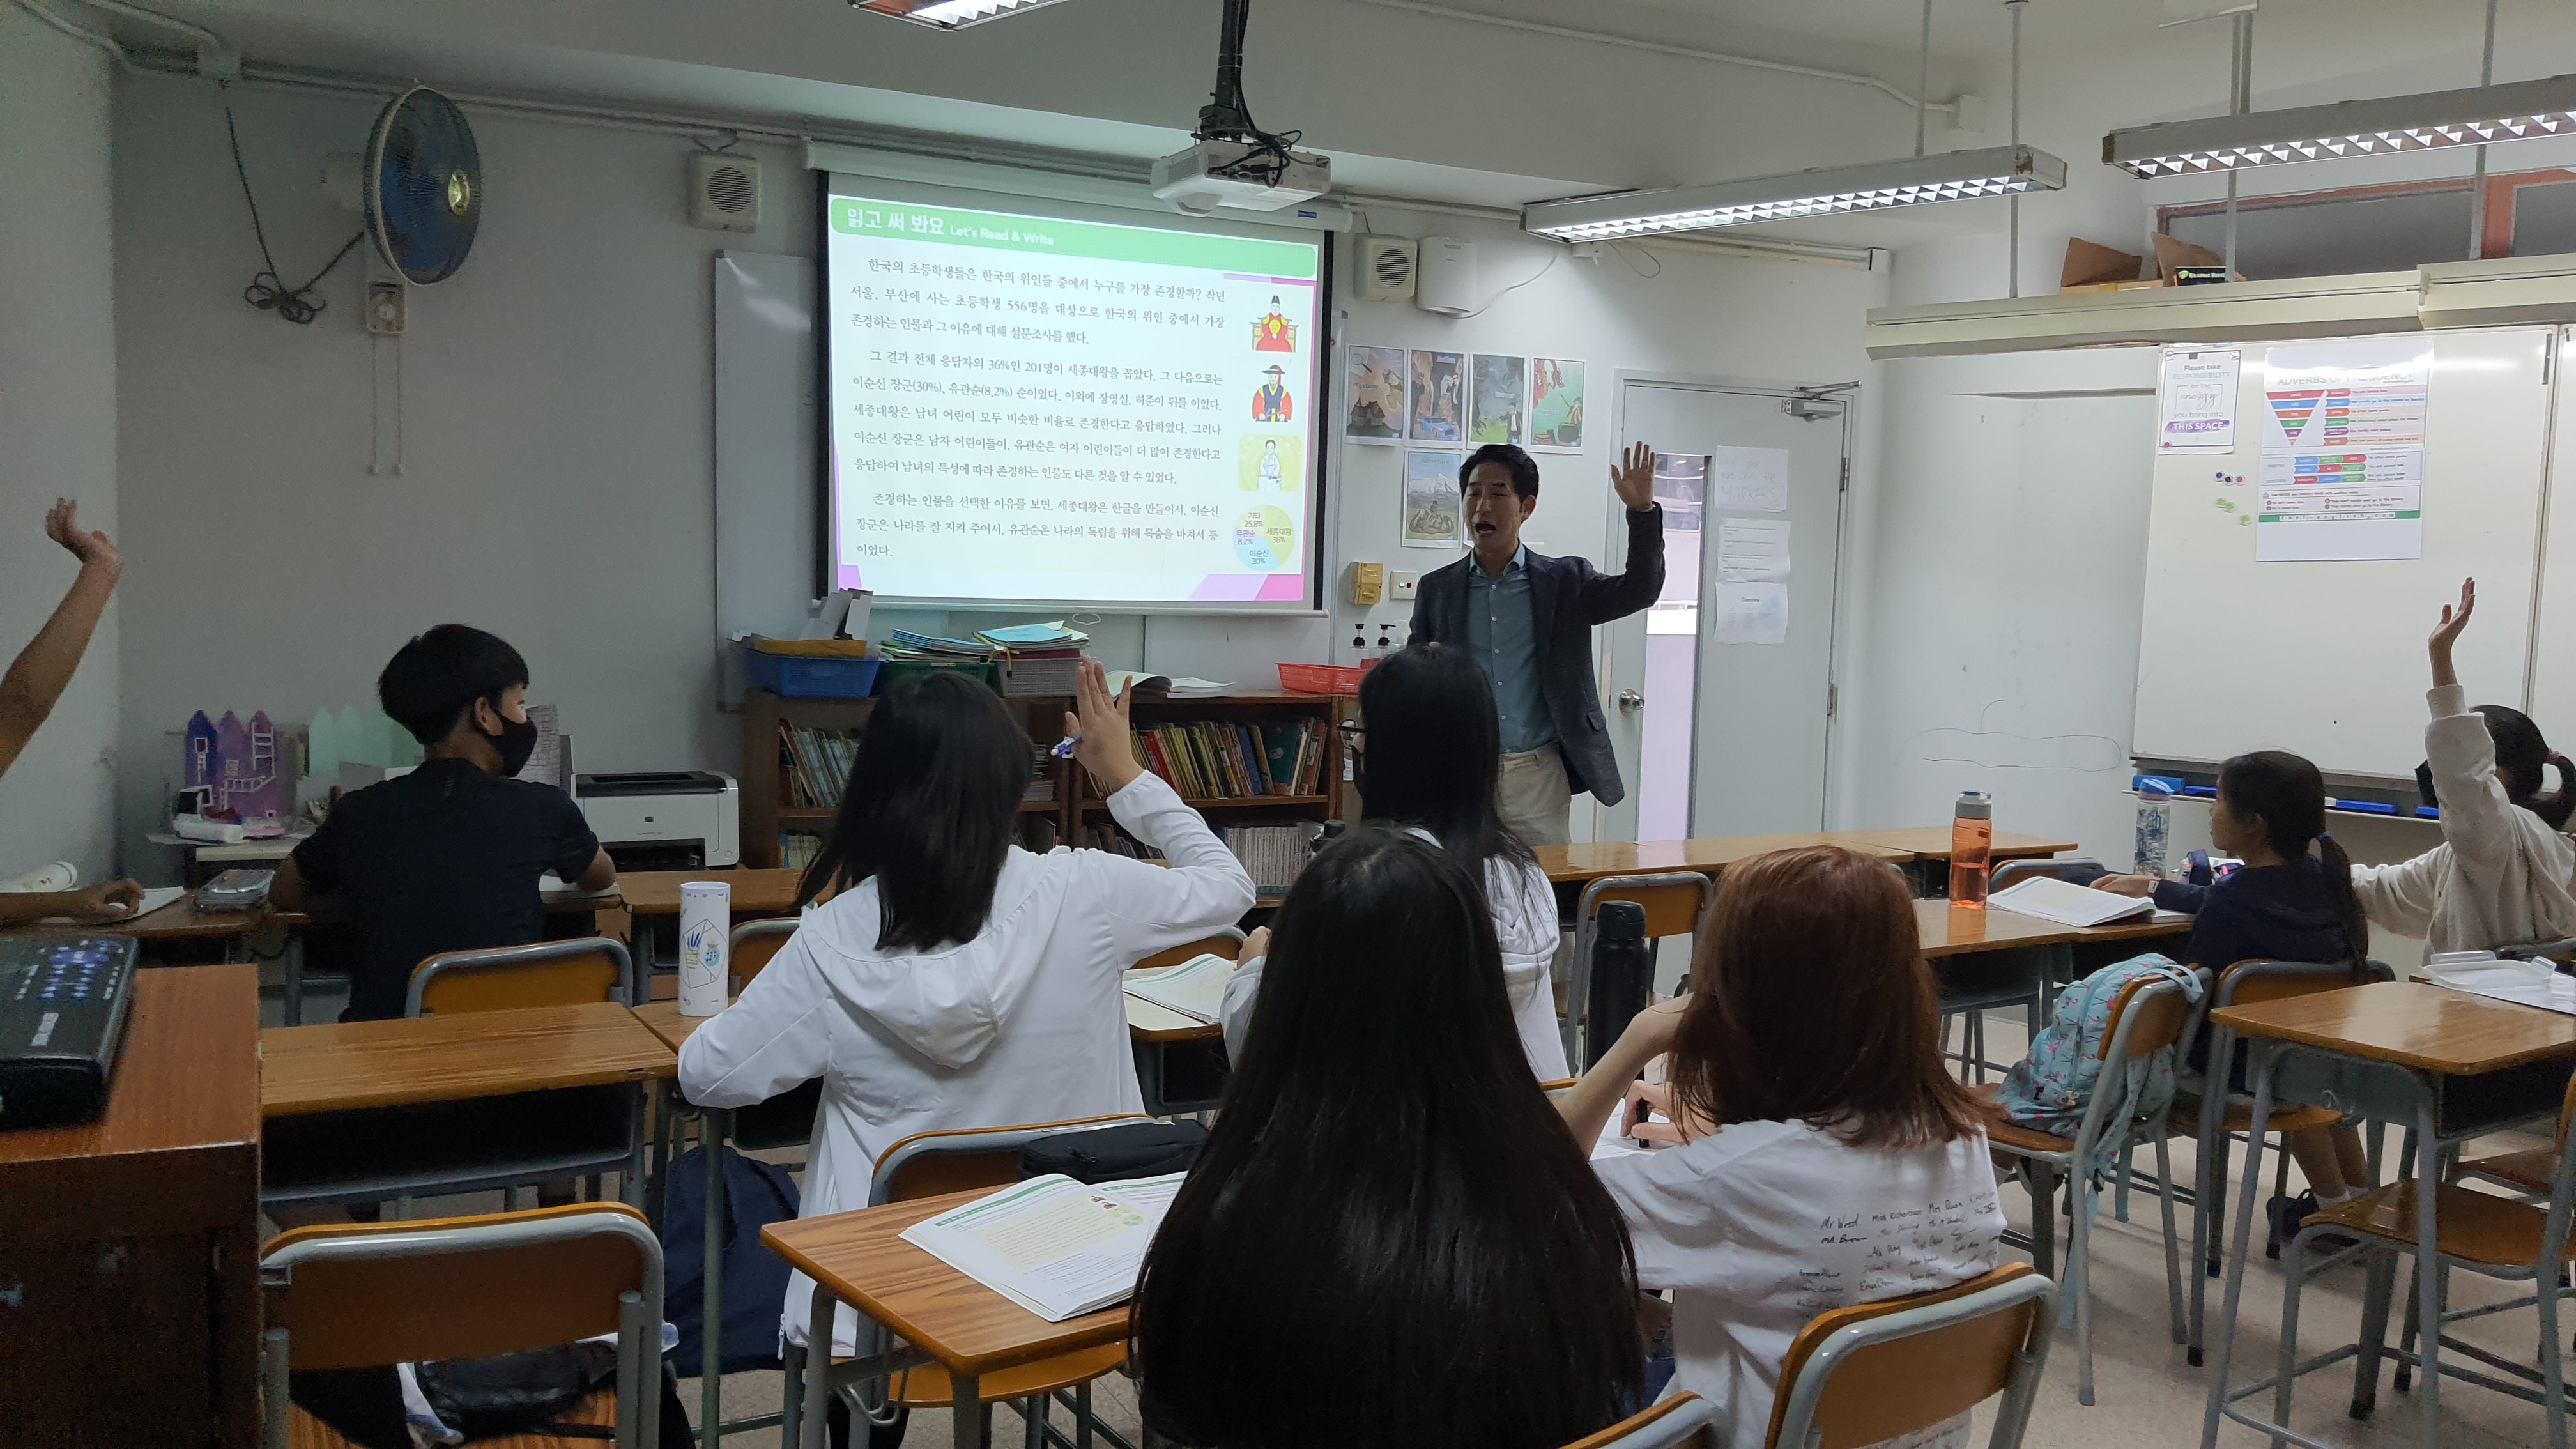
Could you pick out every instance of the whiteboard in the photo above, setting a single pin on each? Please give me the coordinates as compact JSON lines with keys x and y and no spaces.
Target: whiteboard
{"x":766,"y":555}
{"x":2326,"y":658}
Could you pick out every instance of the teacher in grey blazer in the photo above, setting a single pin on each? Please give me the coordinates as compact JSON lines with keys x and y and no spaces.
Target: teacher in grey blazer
{"x":1527,"y":619}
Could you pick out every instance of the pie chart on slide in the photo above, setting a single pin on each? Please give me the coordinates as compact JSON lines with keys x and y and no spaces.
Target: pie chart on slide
{"x":1265,"y":539}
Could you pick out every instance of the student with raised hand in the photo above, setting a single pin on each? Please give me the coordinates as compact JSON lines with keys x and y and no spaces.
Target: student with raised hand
{"x":957,"y":980}
{"x":1388,"y":1241}
{"x":1813,"y":1118}
{"x":449,"y":856}
{"x":2502,"y":874}
{"x":2283,"y":904}
{"x":1427,"y":762}
{"x":37,"y":677}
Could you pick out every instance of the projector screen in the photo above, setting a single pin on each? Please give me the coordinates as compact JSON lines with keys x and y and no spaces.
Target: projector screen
{"x":1035,"y":409}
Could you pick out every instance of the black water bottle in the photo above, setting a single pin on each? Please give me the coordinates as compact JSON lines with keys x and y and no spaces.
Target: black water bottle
{"x":1623,"y":974}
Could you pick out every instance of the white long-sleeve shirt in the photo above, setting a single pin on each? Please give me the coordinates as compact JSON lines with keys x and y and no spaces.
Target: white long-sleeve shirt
{"x":2500,"y":877}
{"x":1525,"y":925}
{"x":1025,"y":1023}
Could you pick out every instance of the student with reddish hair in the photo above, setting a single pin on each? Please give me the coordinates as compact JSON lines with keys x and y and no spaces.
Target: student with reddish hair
{"x":1821,"y":1154}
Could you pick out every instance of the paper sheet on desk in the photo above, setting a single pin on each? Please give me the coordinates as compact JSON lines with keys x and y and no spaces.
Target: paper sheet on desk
{"x":2524,"y":983}
{"x":156,"y":898}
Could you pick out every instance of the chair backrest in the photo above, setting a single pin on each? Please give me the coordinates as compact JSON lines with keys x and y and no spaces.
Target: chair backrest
{"x":1681,"y":1419}
{"x":1674,"y":900}
{"x":751,"y":946}
{"x":1227,"y":943}
{"x":2249,"y":982}
{"x":2146,"y":1017}
{"x":2014,"y":872}
{"x":1915,"y":1362}
{"x":570,"y":972}
{"x":929,"y":1163}
{"x":364,"y":1295}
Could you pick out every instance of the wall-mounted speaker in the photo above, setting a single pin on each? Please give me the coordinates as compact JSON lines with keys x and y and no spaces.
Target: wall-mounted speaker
{"x":724,"y":191}
{"x":1382,"y":268}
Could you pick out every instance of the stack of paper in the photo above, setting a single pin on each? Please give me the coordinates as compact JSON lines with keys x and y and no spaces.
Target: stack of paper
{"x":2052,"y":899}
{"x":907,"y":645}
{"x":2525,"y":983}
{"x":1035,"y":640}
{"x":1195,"y":988}
{"x":1056,"y":1247}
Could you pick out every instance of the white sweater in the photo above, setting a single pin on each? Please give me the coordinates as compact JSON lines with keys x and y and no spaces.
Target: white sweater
{"x":2500,"y":877}
{"x":1524,"y":907}
{"x":1025,"y":1023}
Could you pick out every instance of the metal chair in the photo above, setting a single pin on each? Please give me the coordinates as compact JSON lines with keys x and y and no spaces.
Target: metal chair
{"x":2215,"y":1117}
{"x":1871,"y":1372}
{"x":927,"y":1164}
{"x":1682,"y":1420}
{"x":2491,"y":1236}
{"x":752,"y":945}
{"x":363,"y":1295}
{"x":1674,"y":902}
{"x":571,"y":972}
{"x":2147,"y":1017}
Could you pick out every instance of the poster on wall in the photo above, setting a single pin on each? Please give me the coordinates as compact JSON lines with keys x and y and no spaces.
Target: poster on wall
{"x":1439,"y":397}
{"x":1499,"y":399}
{"x":1375,"y":396}
{"x":2343,"y":451}
{"x":1749,"y":480}
{"x":1556,"y":405}
{"x":1431,"y":511}
{"x":2196,"y":400}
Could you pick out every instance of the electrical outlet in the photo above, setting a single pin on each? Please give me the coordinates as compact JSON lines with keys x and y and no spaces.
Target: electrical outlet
{"x":1402,"y":584}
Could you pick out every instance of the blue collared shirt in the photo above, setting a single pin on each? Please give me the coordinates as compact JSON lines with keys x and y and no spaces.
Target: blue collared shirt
{"x":1502,"y":635}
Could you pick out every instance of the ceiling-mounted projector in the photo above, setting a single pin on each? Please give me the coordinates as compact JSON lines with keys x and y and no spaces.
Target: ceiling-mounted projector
{"x":1252,"y":175}
{"x":1236,"y":163}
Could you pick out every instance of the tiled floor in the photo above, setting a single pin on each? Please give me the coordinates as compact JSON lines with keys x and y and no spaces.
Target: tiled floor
{"x":2147,"y":1394}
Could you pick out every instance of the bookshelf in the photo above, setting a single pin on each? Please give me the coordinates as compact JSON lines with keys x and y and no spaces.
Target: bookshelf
{"x":767,"y":808}
{"x":1330,"y":799}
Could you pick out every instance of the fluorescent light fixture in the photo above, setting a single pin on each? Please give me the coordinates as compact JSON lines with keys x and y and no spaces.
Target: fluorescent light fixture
{"x":950,"y":14}
{"x":2509,"y":112}
{"x":1948,"y":176}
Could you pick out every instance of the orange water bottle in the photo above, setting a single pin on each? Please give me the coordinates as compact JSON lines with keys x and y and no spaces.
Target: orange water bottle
{"x":1972,"y":839}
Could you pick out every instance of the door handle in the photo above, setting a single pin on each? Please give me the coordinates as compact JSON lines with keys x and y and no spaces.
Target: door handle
{"x":1631,"y":701}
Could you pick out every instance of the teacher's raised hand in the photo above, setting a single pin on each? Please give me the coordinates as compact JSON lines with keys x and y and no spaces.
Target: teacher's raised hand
{"x":1633,"y":478}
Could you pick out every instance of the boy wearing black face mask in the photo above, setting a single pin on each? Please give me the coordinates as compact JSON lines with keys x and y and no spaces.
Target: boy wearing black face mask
{"x":445,"y":858}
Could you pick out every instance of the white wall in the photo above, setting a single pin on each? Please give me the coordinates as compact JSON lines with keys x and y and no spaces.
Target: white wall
{"x":57,"y":424}
{"x":557,"y":410}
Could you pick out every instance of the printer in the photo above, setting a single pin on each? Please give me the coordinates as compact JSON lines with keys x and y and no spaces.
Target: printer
{"x":664,"y":819}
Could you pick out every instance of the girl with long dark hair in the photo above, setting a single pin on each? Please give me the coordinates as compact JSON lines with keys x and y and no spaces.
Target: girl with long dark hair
{"x":957,"y":980}
{"x":1824,"y":1154}
{"x":1427,"y":762}
{"x":1389,"y":1242}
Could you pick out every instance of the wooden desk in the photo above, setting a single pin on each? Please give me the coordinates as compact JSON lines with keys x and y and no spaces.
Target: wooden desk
{"x":755,"y":892}
{"x":1932,"y":842}
{"x":1156,"y":1034}
{"x":1948,"y":930}
{"x":860,"y":1258}
{"x":1592,"y":860}
{"x":372,"y":1110}
{"x":2446,"y":1064}
{"x":131,"y":1242}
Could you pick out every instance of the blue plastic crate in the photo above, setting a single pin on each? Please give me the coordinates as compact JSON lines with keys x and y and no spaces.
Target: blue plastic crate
{"x":813,"y":676}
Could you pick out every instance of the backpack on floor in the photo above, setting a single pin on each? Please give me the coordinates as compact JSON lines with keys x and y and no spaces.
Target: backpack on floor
{"x":2050,"y":1089}
{"x":756,"y":1194}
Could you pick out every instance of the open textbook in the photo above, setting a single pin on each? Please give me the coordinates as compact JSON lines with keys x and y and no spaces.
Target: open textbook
{"x":1056,"y":1247}
{"x":1195,"y":988}
{"x":2052,"y":899}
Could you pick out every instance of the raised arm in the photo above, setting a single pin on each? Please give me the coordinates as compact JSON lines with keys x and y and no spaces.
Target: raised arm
{"x":1604,"y":597}
{"x":2477,"y":810}
{"x":36,"y":679}
{"x":1150,"y":908}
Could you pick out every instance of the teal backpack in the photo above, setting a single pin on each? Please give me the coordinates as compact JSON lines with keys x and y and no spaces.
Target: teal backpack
{"x":2050,"y":1089}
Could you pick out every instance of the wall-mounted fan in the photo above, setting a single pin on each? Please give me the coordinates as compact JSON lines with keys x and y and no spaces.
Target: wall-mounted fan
{"x":422,"y":186}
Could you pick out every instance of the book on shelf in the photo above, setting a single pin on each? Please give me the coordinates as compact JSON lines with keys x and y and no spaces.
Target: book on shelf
{"x":1272,"y":854}
{"x":813,"y":766}
{"x":1227,"y":760}
{"x":797,"y":848}
{"x":1056,"y":1247}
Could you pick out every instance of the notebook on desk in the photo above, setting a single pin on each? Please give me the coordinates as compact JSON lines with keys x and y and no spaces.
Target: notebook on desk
{"x":2052,"y":899}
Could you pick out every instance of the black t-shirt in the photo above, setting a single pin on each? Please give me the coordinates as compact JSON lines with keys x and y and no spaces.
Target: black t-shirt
{"x":445,"y":858}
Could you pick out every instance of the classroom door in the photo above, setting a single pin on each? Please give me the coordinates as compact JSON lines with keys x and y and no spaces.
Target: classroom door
{"x":1721,"y":697}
